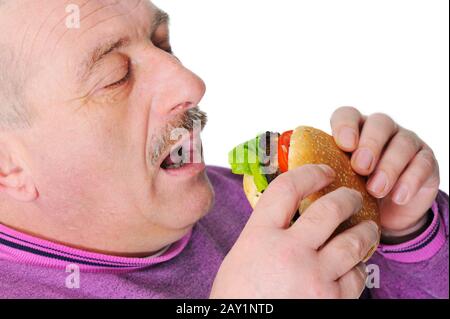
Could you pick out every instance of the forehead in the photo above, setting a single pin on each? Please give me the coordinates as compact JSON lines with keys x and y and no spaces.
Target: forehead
{"x":49,"y":27}
{"x":69,"y":30}
{"x":50,"y":15}
{"x":100,"y":19}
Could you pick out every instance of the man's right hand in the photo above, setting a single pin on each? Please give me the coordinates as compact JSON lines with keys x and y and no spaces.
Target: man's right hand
{"x":272,"y":259}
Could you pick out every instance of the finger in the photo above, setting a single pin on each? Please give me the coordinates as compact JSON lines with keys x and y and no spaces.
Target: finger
{"x":400,"y":152}
{"x":353,"y":283}
{"x":349,"y":248}
{"x":422,"y":172}
{"x":320,"y":220}
{"x":280,"y":201}
{"x":345,"y":124}
{"x":376,"y":133}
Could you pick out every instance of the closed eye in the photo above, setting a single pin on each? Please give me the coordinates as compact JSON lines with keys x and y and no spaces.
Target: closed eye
{"x":164,"y":46}
{"x":122,"y":81}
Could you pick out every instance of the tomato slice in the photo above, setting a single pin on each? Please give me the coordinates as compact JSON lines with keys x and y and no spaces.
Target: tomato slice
{"x":284,"y":142}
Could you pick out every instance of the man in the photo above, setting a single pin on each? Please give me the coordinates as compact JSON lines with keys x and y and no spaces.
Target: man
{"x":92,"y":206}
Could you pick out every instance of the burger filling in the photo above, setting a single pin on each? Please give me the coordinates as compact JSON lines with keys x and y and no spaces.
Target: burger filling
{"x":264,"y":157}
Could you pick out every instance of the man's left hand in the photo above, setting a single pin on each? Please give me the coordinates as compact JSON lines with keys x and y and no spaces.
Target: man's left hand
{"x":402,"y":170}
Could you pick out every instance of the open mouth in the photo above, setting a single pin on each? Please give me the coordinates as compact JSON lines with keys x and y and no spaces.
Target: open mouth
{"x":175,"y":159}
{"x":186,"y":152}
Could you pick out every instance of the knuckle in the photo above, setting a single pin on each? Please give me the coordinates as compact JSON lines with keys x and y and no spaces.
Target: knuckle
{"x":283,"y":184}
{"x":371,"y":142}
{"x":310,"y":172}
{"x":347,"y":109}
{"x":408,"y":141}
{"x":428,"y":149}
{"x":428,"y":161}
{"x":312,"y":220}
{"x":382,"y":118}
{"x":286,"y":252}
{"x":354,"y":247}
{"x":435,"y":182}
{"x":332,"y":208}
{"x":414,"y":179}
{"x":426,"y":169}
{"x":391,"y":170}
{"x":319,"y":290}
{"x":343,"y":114}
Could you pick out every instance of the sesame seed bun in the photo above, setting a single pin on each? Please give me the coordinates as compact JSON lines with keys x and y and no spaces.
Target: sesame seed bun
{"x":312,"y":146}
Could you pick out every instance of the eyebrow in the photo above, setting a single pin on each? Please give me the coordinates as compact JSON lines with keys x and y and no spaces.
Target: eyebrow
{"x":99,"y":52}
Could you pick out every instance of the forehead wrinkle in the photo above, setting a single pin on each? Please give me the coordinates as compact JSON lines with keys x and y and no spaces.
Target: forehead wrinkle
{"x":41,"y":26}
{"x":113,"y":17}
{"x":66,"y":30}
{"x":28,"y":56}
{"x":88,"y":65}
{"x":97,"y":10}
{"x":60,"y":22}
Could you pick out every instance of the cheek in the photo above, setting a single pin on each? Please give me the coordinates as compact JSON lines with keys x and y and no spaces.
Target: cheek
{"x":74,"y":172}
{"x":79,"y":161}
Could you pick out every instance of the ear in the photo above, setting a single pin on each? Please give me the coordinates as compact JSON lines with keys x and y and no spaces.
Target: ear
{"x":15,"y":179}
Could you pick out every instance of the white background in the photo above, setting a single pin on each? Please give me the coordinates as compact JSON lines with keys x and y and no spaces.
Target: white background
{"x":274,"y":65}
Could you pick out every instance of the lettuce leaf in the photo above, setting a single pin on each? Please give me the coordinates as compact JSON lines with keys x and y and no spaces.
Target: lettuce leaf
{"x":244,"y":159}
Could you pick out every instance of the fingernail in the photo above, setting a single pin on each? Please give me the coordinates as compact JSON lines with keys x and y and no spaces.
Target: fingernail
{"x":379,"y":183}
{"x":327,"y":170}
{"x":364,"y":159}
{"x":374,"y":234}
{"x":347,"y":137}
{"x":401,"y":195}
{"x":376,"y":229}
{"x":357,"y":193}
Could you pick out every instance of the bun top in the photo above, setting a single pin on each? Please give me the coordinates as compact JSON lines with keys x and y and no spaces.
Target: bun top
{"x":313,"y":146}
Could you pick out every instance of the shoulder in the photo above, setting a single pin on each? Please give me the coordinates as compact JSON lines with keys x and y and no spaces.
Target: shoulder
{"x":22,"y":281}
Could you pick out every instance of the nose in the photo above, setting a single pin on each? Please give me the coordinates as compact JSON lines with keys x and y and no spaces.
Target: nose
{"x":175,"y":88}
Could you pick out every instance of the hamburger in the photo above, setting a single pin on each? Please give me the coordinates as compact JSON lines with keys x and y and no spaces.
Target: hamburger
{"x":268,"y":155}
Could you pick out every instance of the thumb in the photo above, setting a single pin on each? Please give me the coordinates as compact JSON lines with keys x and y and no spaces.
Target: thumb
{"x":280,"y":201}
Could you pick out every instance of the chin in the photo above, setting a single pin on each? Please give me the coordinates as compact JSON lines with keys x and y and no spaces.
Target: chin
{"x":188,"y":202}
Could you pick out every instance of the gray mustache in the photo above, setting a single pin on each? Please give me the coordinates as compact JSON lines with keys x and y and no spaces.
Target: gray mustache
{"x":189,"y":120}
{"x":193,"y":116}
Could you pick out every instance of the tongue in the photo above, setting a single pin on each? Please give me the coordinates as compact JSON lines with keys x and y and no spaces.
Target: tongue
{"x":176,"y":155}
{"x":168,"y":161}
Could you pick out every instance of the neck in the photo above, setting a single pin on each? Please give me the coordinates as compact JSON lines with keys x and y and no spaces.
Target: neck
{"x":116,"y":239}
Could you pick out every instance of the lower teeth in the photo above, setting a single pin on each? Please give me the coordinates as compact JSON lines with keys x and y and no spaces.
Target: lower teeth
{"x":175,"y":165}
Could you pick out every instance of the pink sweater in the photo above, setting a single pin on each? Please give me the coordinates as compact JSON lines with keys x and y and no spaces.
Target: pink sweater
{"x":35,"y":268}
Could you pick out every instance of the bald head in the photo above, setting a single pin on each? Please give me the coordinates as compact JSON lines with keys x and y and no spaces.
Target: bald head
{"x":13,"y":110}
